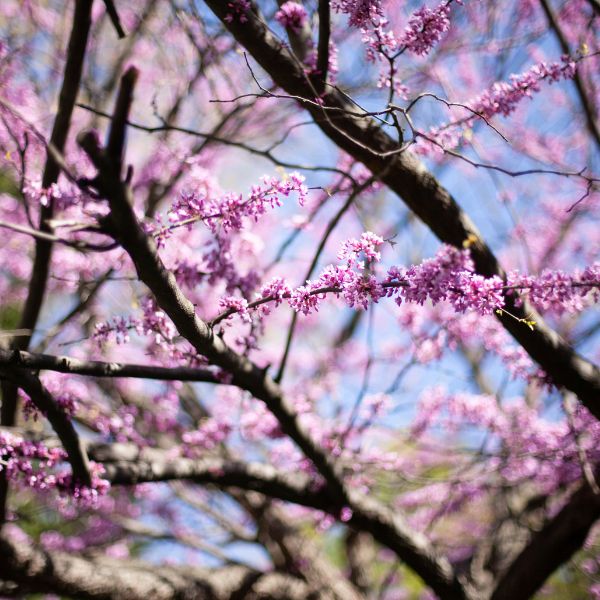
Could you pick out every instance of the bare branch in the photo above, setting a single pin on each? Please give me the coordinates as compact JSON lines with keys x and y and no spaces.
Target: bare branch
{"x":214,"y":137}
{"x":126,"y":464}
{"x":323,"y":45}
{"x":116,"y":137}
{"x":113,"y":15}
{"x":93,"y":368}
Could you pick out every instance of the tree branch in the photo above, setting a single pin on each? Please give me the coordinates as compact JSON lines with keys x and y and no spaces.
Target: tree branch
{"x":61,"y":424}
{"x":94,"y":368}
{"x":113,"y":15}
{"x":369,"y":515}
{"x":323,"y":45}
{"x":125,"y":464}
{"x":365,"y":141}
{"x":554,"y":545}
{"x":43,"y":571}
{"x":300,"y":40}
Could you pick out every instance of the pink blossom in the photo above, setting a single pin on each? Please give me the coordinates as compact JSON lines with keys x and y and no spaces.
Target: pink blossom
{"x":291,"y":15}
{"x":425,"y":28}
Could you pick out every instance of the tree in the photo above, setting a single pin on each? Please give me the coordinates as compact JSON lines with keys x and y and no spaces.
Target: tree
{"x":328,"y":381}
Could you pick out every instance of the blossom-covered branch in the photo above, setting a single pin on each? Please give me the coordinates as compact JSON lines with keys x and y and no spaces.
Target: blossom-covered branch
{"x":450,"y":276}
{"x":423,"y":194}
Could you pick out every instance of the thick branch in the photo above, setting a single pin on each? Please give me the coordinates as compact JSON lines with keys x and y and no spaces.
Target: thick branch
{"x":38,"y":570}
{"x":116,"y":137}
{"x":151,"y":270}
{"x":323,"y":46}
{"x":555,"y":544}
{"x":365,"y":141}
{"x":113,"y":15}
{"x":126,"y":465}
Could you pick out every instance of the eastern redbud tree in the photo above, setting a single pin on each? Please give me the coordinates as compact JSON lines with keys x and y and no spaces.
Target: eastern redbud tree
{"x":299,"y":299}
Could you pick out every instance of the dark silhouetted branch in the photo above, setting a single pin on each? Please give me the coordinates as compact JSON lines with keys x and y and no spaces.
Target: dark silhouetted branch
{"x":66,"y":364}
{"x":43,"y":248}
{"x":113,"y":15}
{"x":551,"y":547}
{"x":323,"y":45}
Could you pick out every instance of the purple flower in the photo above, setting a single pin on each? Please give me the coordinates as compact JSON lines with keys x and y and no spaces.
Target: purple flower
{"x":291,"y":15}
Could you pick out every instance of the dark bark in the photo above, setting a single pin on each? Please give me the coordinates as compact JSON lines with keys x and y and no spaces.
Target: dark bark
{"x":60,"y":422}
{"x":38,"y":570}
{"x":364,"y":140}
{"x":551,"y":547}
{"x":94,"y":368}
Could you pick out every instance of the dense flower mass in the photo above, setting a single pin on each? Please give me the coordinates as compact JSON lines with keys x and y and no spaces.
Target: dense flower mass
{"x":35,"y":465}
{"x":228,"y":212}
{"x":448,"y":277}
{"x":250,"y":343}
{"x":425,"y":28}
{"x":359,"y":11}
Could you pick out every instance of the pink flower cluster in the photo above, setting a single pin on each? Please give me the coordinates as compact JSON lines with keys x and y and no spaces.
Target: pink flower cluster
{"x":62,"y":197}
{"x":98,"y":531}
{"x":209,"y":434}
{"x":368,"y":245}
{"x":503,"y":97}
{"x":447,"y":277}
{"x":228,"y":212}
{"x":425,"y":29}
{"x":558,"y":291}
{"x":552,"y":449}
{"x":66,"y":401}
{"x":154,"y":322}
{"x":359,"y":11}
{"x":117,"y":328}
{"x":237,"y":305}
{"x":83,"y":495}
{"x":33,"y":464}
{"x":276,"y":289}
{"x":29,"y":462}
{"x":120,"y":424}
{"x":291,"y":15}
